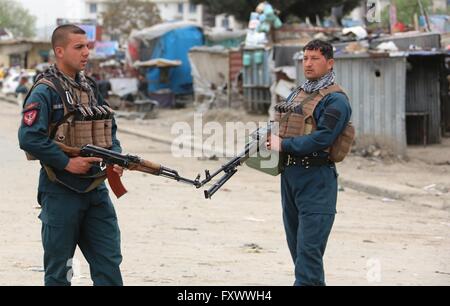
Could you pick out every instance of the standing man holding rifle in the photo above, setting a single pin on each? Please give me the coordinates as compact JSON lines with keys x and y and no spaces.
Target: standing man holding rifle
{"x":314,"y":133}
{"x":64,"y":107}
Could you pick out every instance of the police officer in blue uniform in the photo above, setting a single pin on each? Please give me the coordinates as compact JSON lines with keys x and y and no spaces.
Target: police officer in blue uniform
{"x":76,"y":207}
{"x":309,"y":179}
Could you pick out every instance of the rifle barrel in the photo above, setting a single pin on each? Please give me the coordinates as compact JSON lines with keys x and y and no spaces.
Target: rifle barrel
{"x":258,"y":137}
{"x":211,"y":191}
{"x":172,"y":174}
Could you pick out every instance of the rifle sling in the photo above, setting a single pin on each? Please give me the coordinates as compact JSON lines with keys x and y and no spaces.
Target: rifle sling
{"x":99,"y":178}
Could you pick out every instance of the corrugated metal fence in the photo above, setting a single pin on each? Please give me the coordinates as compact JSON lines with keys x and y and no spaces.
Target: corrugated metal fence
{"x":376,"y":90}
{"x":384,"y":91}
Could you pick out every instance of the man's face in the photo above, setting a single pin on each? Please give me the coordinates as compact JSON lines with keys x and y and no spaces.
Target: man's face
{"x":75,"y":54}
{"x":315,"y":65}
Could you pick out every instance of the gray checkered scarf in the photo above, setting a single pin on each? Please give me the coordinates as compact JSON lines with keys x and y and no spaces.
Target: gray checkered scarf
{"x":71,"y":85}
{"x":315,"y":85}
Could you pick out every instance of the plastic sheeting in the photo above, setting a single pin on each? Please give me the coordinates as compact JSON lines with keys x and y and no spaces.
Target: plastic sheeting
{"x":174,"y":45}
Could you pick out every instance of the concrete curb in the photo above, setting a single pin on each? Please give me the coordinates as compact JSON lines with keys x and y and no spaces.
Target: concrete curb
{"x":420,"y":199}
{"x":165,"y":140}
{"x":373,"y":190}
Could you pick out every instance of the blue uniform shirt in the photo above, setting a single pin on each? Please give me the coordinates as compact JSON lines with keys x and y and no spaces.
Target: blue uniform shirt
{"x":332,"y":115}
{"x":34,"y":139}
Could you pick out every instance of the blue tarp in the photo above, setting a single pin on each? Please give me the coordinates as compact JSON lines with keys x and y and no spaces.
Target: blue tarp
{"x":175,"y":45}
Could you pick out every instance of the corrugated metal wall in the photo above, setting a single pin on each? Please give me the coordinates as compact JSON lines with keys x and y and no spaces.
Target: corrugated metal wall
{"x":257,"y":72}
{"x":257,"y":79}
{"x":423,"y":92}
{"x":376,"y":89}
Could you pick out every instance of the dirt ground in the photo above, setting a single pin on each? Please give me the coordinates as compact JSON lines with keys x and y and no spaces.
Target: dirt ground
{"x":171,"y":235}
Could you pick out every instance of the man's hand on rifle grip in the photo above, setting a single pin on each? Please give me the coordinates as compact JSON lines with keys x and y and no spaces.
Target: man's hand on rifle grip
{"x":81,"y":165}
{"x":274,"y":143}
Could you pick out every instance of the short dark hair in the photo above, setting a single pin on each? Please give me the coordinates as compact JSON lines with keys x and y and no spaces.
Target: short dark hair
{"x":60,"y":34}
{"x":325,"y":48}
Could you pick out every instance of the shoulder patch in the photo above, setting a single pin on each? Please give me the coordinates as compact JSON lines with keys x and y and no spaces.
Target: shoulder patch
{"x":332,"y":116}
{"x":30,"y":116}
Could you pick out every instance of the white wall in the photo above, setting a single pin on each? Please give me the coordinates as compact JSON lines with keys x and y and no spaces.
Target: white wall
{"x":179,"y":10}
{"x":168,"y":9}
{"x":102,"y":6}
{"x":233,"y":24}
{"x":439,"y":5}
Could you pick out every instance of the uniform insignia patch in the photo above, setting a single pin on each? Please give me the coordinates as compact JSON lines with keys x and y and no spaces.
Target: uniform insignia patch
{"x":29,"y":117}
{"x":332,"y":117}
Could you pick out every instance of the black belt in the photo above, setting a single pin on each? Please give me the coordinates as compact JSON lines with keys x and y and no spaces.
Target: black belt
{"x":307,"y":161}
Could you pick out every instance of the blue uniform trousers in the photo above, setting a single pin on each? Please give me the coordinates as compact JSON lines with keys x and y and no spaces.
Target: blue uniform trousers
{"x":309,"y":206}
{"x":87,"y":220}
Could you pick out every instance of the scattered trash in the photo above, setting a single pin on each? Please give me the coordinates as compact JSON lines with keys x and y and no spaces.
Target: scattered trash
{"x":429,"y":187}
{"x":284,"y":88}
{"x":358,"y":31}
{"x":368,"y":241}
{"x":355,"y":48}
{"x":377,"y":153}
{"x":320,"y":36}
{"x":387,"y":46}
{"x":192,"y":229}
{"x":436,"y":189}
{"x":445,"y":163}
{"x":36,"y":269}
{"x":373,"y":150}
{"x":252,"y":248}
{"x":387,"y":200}
{"x":261,"y":22}
{"x":254,"y":219}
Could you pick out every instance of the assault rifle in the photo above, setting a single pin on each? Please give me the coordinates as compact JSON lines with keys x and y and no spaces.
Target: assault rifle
{"x":257,"y":140}
{"x":130,"y":162}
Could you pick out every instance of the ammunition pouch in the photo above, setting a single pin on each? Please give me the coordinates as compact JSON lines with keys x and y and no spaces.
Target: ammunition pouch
{"x":98,"y":133}
{"x":343,"y":144}
{"x":108,"y":133}
{"x":83,"y":133}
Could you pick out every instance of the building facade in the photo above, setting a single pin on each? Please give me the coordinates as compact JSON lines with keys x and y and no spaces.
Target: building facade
{"x":23,"y":53}
{"x":169,"y":10}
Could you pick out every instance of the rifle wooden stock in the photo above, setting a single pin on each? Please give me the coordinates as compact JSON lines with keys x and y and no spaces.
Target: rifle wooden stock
{"x":146,"y":167}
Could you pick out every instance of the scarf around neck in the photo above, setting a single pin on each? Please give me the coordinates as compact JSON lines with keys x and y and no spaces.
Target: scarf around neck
{"x":70,"y":85}
{"x":311,"y":86}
